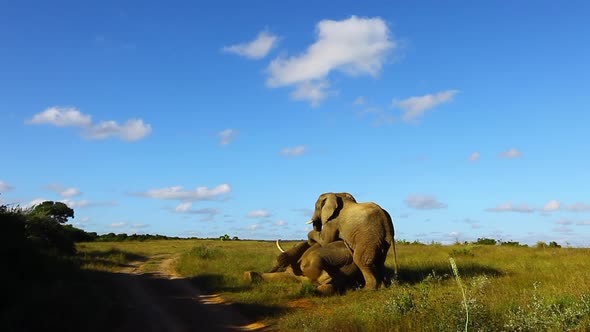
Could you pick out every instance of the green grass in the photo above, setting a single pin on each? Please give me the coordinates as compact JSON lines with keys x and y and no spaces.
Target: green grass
{"x":506,"y":288}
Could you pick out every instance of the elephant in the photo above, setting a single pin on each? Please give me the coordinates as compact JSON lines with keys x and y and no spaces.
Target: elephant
{"x":330,"y":268}
{"x":366,"y":228}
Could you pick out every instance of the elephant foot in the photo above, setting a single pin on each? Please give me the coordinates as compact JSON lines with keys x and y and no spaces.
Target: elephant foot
{"x":253,"y":276}
{"x":326,"y":289}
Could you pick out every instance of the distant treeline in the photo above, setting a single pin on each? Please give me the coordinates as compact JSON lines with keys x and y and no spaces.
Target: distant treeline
{"x":488,"y":242}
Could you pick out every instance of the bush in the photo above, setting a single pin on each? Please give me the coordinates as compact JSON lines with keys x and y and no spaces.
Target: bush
{"x":485,"y":241}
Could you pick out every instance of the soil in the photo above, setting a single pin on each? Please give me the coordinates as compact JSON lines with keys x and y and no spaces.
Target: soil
{"x":163,"y":301}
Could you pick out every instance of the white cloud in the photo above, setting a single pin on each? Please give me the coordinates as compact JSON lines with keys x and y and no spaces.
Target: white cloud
{"x":293,"y":152}
{"x":208,"y":213}
{"x":315,"y":92}
{"x":117,"y":225}
{"x":379,"y":116}
{"x":511,"y":153}
{"x":414,"y":107}
{"x":256,"y":49}
{"x":258,"y":214}
{"x":578,"y":207}
{"x":61,"y":117}
{"x":4,"y":187}
{"x":63,"y":191}
{"x":76,"y":204}
{"x":474,"y":156}
{"x":424,"y":202}
{"x":509,"y":207}
{"x":132,"y":130}
{"x":354,"y":46}
{"x":183,"y":207}
{"x":227,"y":136}
{"x":70,"y":192}
{"x":139,"y":225}
{"x":177,"y":193}
{"x":281,"y":223}
{"x":552,"y":205}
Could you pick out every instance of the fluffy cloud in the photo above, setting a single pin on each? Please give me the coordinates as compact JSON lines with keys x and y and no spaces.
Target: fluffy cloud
{"x":509,"y":207}
{"x":354,"y":46}
{"x":315,"y":92}
{"x":76,"y":204}
{"x":256,"y":49}
{"x":552,"y":205}
{"x":206,"y":213}
{"x":63,"y":191}
{"x":227,"y":136}
{"x":511,"y":154}
{"x":281,"y":223}
{"x":5,"y":186}
{"x":424,"y":202}
{"x":293,"y":152}
{"x":414,"y":107}
{"x":474,"y":156}
{"x":61,"y":117}
{"x":132,"y":130}
{"x":177,"y":193}
{"x":258,"y":214}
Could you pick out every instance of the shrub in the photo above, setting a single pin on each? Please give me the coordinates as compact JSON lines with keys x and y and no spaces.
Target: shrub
{"x":485,"y":241}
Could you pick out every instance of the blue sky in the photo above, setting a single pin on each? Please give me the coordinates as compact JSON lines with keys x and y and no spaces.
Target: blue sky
{"x":463,"y":119}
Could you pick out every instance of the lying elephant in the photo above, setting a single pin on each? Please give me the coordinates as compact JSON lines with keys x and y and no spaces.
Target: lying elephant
{"x":329,"y":267}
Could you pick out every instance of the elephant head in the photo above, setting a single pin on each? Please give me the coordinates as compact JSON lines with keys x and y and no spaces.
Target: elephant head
{"x":327,"y":207}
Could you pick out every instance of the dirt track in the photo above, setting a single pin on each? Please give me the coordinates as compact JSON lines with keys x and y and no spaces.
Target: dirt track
{"x":162,"y":301}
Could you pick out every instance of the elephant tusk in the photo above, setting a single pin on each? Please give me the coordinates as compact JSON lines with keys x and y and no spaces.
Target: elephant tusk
{"x":309,"y":222}
{"x":279,"y":246}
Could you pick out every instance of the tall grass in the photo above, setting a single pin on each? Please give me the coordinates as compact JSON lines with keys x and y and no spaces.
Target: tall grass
{"x":503,"y":288}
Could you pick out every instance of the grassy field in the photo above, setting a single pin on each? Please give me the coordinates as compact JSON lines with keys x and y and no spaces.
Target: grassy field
{"x":499,"y":288}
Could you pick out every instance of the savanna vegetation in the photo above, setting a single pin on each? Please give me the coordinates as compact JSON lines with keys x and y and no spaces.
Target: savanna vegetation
{"x":52,"y":282}
{"x":497,"y":288}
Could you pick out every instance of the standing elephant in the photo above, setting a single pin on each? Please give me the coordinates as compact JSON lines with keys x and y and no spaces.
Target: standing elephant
{"x":364,"y":227}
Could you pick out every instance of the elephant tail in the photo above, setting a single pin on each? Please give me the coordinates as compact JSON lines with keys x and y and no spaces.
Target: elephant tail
{"x":391,"y":239}
{"x":394,"y":258}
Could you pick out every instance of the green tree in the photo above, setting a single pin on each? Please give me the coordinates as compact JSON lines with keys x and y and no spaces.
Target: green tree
{"x":57,"y":211}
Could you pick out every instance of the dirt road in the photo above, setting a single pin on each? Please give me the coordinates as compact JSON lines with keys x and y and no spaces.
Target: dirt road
{"x":163,"y":301}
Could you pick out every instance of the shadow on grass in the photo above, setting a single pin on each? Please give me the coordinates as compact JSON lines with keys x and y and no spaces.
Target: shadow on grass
{"x":439,"y":271}
{"x":215,"y":283}
{"x":111,"y":258}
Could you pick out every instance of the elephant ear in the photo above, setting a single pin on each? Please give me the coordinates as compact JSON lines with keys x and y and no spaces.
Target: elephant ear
{"x":329,"y":207}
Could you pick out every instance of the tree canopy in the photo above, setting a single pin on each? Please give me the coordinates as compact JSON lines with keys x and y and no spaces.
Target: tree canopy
{"x":57,"y":211}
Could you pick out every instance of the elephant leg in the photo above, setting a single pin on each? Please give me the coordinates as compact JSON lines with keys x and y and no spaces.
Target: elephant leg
{"x":366,"y":264}
{"x":253,"y":277}
{"x":326,"y":289}
{"x":312,"y":268}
